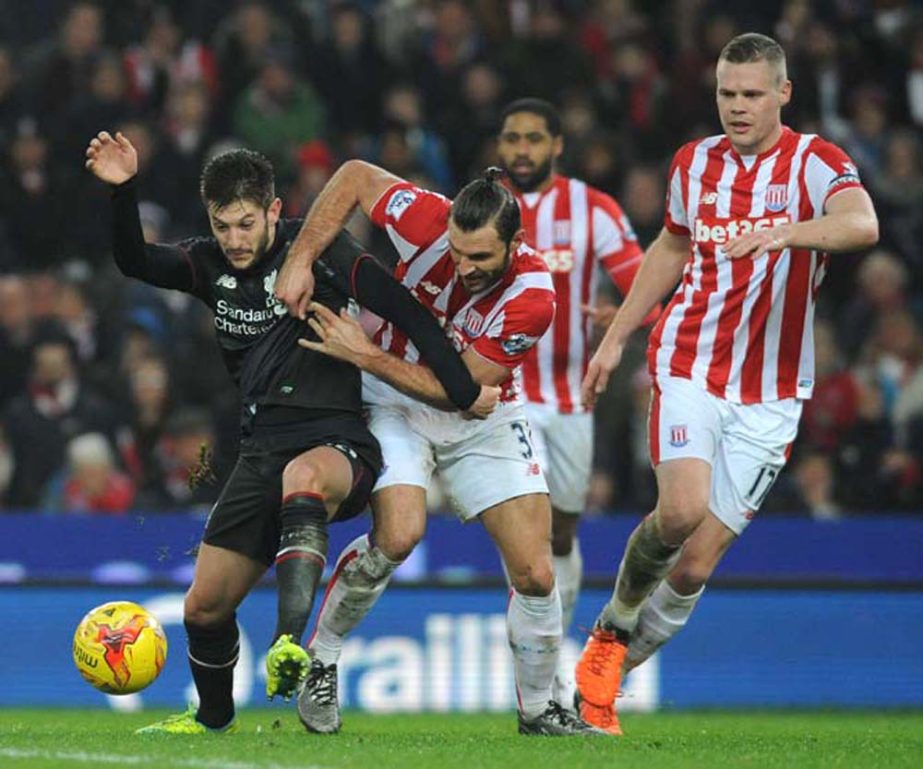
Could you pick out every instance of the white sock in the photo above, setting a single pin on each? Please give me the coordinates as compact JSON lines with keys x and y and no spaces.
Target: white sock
{"x":662,"y":617}
{"x":533,"y":626}
{"x":361,"y":575}
{"x":568,"y":574}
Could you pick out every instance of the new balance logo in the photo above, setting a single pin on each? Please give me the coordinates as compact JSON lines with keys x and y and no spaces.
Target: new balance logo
{"x":227,"y":281}
{"x":431,"y":288}
{"x":708,"y":199}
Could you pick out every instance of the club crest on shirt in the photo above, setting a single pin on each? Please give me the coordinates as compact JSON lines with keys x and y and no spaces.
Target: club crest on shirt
{"x":561,"y":233}
{"x":679,"y":436}
{"x":269,"y":286}
{"x":776,"y":197}
{"x":474,"y":322}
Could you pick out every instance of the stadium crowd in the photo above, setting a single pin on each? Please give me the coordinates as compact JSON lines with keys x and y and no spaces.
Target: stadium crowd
{"x":109,"y":388}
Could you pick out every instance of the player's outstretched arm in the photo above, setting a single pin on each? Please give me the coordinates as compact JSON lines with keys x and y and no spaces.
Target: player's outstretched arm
{"x":356,"y":183}
{"x":661,"y":268}
{"x":341,"y":336}
{"x":849,"y":223}
{"x":114,"y":160}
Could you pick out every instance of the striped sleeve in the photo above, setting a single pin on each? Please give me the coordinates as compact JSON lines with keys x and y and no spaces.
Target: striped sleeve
{"x":412,"y":217}
{"x":675,"y":218}
{"x":827,"y":171}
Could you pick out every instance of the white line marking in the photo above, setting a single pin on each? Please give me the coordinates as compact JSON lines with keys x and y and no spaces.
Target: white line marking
{"x":110,"y":758}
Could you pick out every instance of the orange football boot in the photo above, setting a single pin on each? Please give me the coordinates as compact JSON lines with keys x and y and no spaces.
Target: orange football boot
{"x":599,"y":675}
{"x":602,"y":717}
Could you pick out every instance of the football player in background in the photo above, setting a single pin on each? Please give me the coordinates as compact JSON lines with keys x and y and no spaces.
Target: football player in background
{"x":579,"y":231}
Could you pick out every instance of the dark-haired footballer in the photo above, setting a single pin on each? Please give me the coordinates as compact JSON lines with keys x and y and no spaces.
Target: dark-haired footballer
{"x":464,"y":260}
{"x":306,"y":454}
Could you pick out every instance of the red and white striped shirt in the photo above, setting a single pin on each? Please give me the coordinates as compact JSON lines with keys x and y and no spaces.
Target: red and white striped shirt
{"x":575,"y":228}
{"x":743,"y":328}
{"x":501,"y":323}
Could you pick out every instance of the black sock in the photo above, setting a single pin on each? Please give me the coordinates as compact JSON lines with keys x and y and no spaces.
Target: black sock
{"x":213,"y":653}
{"x":300,"y":561}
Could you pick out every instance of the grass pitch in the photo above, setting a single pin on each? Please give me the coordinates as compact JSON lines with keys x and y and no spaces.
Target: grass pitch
{"x":274,"y":739}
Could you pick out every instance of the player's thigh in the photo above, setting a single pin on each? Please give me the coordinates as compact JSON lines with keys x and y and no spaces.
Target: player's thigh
{"x":407,"y":455}
{"x":245,"y":519}
{"x":323,"y":470}
{"x":222,"y":580}
{"x":521,"y":529}
{"x":490,"y":467}
{"x":684,"y":432}
{"x":754,"y":449}
{"x":399,"y":519}
{"x":567,"y":458}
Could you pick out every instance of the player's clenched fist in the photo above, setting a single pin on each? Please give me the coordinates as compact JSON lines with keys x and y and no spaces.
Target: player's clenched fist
{"x":112,"y":160}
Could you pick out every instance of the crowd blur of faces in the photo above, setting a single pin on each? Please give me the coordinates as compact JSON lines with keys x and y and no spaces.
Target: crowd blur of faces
{"x":100,"y":411}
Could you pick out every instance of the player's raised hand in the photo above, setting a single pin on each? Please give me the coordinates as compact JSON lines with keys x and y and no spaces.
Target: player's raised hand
{"x":111,"y":159}
{"x":484,"y":406}
{"x":602,"y":364}
{"x":755,"y":244}
{"x":339,"y":336}
{"x":295,"y":286}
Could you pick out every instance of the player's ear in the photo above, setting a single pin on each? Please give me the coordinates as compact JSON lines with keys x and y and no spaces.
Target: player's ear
{"x":517,"y":240}
{"x":274,"y":211}
{"x":557,"y":146}
{"x":785,"y":93}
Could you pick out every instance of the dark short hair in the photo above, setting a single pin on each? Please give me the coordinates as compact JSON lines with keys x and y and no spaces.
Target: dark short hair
{"x":238,"y":175}
{"x":486,"y":201}
{"x":540,"y":107}
{"x":752,"y":46}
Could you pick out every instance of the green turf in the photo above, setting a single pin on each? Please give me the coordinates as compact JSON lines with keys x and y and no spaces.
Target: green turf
{"x":274,"y":738}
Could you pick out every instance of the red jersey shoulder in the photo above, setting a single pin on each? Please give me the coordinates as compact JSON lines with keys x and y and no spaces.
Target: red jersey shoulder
{"x":527,"y":259}
{"x":416,"y":213}
{"x":834,"y":157}
{"x":599,"y":199}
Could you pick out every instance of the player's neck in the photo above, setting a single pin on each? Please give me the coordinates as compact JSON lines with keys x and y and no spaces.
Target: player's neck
{"x":539,"y":189}
{"x":764,"y":146}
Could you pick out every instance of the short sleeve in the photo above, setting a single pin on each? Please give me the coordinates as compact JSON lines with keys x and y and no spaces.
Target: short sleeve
{"x":675,"y":219}
{"x":517,"y":327}
{"x":615,"y":244}
{"x":827,"y":171}
{"x":413,"y":217}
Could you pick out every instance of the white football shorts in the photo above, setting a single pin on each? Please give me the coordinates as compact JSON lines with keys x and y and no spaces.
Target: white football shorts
{"x":481,"y":465}
{"x":746,"y":445}
{"x":564,"y":444}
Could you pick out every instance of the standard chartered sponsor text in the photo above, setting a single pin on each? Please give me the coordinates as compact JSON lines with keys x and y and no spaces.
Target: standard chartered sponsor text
{"x":252,"y":322}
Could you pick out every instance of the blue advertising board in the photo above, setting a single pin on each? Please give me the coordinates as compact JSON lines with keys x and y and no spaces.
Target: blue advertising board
{"x":445,"y":649}
{"x":137,"y":548}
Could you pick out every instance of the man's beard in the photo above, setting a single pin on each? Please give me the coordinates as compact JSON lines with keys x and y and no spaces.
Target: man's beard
{"x":531,"y":181}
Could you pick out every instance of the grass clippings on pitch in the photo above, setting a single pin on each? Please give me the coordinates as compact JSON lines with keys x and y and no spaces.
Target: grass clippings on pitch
{"x":273,"y":739}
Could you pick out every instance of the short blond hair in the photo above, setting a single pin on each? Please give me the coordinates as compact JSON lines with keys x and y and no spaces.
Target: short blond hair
{"x":752,"y":46}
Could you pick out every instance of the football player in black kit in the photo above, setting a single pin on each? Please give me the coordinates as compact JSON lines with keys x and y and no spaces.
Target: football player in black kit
{"x":306,"y":456}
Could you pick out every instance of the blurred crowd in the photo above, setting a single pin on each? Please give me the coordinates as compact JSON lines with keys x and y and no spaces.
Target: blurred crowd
{"x":109,"y":388}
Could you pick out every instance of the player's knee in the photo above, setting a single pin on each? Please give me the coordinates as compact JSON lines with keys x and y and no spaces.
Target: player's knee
{"x":397,"y":545}
{"x":690,"y":575}
{"x":204,"y":610}
{"x":678,"y":517}
{"x":534,"y":579}
{"x":301,"y":475}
